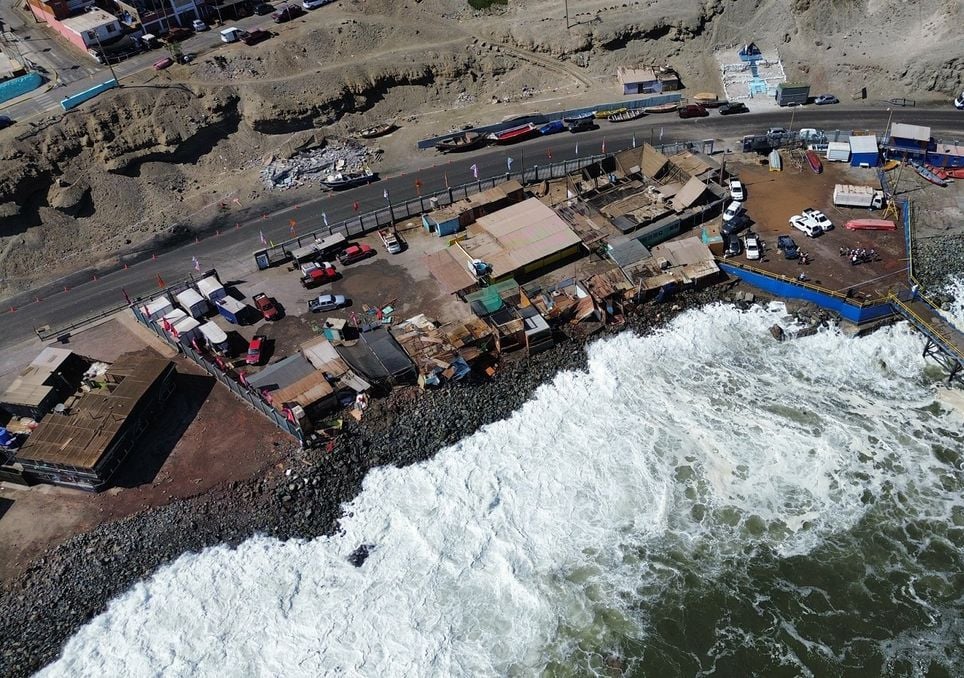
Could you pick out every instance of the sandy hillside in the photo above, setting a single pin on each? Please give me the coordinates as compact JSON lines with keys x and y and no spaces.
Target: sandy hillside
{"x":165,"y":151}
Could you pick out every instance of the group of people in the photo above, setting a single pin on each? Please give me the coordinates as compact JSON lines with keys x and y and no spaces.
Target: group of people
{"x":858,"y":255}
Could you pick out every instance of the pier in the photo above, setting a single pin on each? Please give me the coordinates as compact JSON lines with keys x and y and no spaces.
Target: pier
{"x":945,"y":343}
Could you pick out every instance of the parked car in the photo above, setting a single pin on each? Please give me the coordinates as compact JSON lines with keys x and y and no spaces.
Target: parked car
{"x":737,"y":192}
{"x":819,"y":218}
{"x":350,"y":255}
{"x":287,"y":13}
{"x":789,"y":248}
{"x":581,"y":125}
{"x":177,"y":34}
{"x":735,"y":225}
{"x":733,"y":108}
{"x":753,"y":248}
{"x":777,"y":132}
{"x":805,"y":224}
{"x":5,"y":121}
{"x":733,"y":246}
{"x":199,"y":25}
{"x":161,"y":64}
{"x":319,"y":275}
{"x":824,"y":99}
{"x":734,"y":208}
{"x":263,"y":9}
{"x":253,"y":356}
{"x":314,"y":4}
{"x":693,"y":111}
{"x":327,"y":302}
{"x":254,"y":36}
{"x":959,"y":102}
{"x":265,"y":304}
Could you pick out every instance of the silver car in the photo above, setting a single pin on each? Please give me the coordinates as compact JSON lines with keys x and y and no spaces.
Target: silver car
{"x":327,"y":302}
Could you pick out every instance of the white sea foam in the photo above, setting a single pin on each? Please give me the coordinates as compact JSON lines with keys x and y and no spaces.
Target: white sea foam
{"x":541,"y":538}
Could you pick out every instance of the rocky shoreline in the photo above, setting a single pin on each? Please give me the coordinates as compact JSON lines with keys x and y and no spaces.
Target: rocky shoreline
{"x":72,"y":583}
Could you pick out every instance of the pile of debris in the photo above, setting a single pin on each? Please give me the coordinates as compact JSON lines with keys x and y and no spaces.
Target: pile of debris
{"x":316,"y":164}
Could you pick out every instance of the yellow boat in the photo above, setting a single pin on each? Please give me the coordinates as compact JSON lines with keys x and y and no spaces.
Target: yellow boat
{"x":611,"y":111}
{"x":890,"y":165}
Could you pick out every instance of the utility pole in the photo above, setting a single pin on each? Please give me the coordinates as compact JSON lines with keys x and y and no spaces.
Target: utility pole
{"x":567,"y":15}
{"x":106,"y":58}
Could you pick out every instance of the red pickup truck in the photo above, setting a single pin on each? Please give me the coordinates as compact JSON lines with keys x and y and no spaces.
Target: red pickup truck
{"x":319,"y":276}
{"x":266,"y":305}
{"x":355,"y":253}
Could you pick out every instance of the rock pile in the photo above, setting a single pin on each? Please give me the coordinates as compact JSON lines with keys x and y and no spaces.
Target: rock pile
{"x":72,"y":583}
{"x":937,"y":260}
{"x":317,"y":163}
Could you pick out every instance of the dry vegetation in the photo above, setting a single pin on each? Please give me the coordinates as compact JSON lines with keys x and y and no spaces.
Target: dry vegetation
{"x":136,"y":160}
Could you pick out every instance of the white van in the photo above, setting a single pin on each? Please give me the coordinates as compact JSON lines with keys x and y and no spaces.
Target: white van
{"x":231,"y":34}
{"x":314,"y":4}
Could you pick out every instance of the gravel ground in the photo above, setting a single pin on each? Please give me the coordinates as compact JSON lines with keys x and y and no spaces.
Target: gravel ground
{"x":74,"y":582}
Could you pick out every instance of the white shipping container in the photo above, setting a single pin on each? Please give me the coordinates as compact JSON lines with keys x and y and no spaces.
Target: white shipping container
{"x":838,"y":151}
{"x":159,"y":307}
{"x":193,"y":303}
{"x":211,"y":289}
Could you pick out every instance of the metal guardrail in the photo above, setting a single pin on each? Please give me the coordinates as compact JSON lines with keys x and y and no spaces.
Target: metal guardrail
{"x":45,"y":332}
{"x":860,"y":303}
{"x":926,"y":328}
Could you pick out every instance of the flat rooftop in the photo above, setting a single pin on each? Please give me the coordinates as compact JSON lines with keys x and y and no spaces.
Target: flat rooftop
{"x":89,"y":21}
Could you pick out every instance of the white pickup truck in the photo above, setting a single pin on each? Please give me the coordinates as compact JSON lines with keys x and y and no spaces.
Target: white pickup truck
{"x":391,"y":241}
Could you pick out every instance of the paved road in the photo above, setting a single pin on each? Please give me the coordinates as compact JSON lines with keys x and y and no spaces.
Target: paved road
{"x":231,"y":249}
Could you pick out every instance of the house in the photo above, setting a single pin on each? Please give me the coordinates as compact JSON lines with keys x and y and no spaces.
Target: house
{"x":864,"y":151}
{"x":681,"y":263}
{"x":45,"y":10}
{"x":82,"y":446}
{"x":157,"y":18}
{"x":910,"y":139}
{"x":85,"y":29}
{"x":638,"y":80}
{"x":53,"y":376}
{"x":453,"y":218}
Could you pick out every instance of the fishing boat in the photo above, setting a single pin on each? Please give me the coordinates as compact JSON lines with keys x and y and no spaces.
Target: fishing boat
{"x":342,"y":180}
{"x":514,"y":134}
{"x":707,"y":99}
{"x":631,"y":114}
{"x":890,"y":165}
{"x":466,"y":141}
{"x":956,"y":173}
{"x":776,"y":162}
{"x":662,"y":108}
{"x":939,"y":172}
{"x":814,"y":161}
{"x":552,"y":127}
{"x":870,"y":225}
{"x":927,"y":174}
{"x":582,"y":116}
{"x":378,"y":130}
{"x":605,"y":113}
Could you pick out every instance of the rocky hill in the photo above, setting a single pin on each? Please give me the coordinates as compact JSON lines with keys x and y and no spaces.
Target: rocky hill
{"x":76,"y":188}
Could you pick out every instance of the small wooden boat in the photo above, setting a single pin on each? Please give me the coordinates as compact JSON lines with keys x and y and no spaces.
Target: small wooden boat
{"x":342,"y":180}
{"x":378,"y":130}
{"x":552,"y":127}
{"x":662,"y":108}
{"x":776,"y":162}
{"x":938,"y":172}
{"x":466,"y":141}
{"x":605,"y":113}
{"x":870,"y":225}
{"x":927,"y":174}
{"x":514,"y":134}
{"x":631,"y":114}
{"x":890,"y":165}
{"x":956,"y":173}
{"x":707,"y":100}
{"x":582,"y":116}
{"x":814,"y":161}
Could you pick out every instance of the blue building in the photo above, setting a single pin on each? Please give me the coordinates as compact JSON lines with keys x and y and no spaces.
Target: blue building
{"x":864,"y":151}
{"x":453,"y":218}
{"x":911,"y":141}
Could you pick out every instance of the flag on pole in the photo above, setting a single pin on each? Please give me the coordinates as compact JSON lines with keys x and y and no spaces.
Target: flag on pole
{"x":291,"y":225}
{"x":197,"y":264}
{"x":577,"y":148}
{"x":355,"y":206}
{"x":475,"y":171}
{"x":385,"y":194}
{"x":126,"y":295}
{"x":634,"y":139}
{"x":660,"y":133}
{"x":324,"y":218}
{"x":549,"y":153}
{"x":446,"y":175}
{"x":604,"y":146}
{"x":264,"y":241}
{"x":160,"y":280}
{"x":508,"y":163}
{"x":418,"y":187}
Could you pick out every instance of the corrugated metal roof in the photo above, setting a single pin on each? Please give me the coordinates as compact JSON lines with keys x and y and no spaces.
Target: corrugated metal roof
{"x":915,"y":132}
{"x":690,"y":193}
{"x":526,"y":232}
{"x":628,"y":252}
{"x":652,"y":161}
{"x":29,"y":387}
{"x":81,"y":437}
{"x":866,"y":143}
{"x":306,"y":391}
{"x":282,"y":373}
{"x":452,"y":275}
{"x":634,"y":75}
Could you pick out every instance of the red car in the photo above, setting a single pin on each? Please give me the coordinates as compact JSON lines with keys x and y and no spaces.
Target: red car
{"x":163,"y":63}
{"x":255,"y":36}
{"x":355,"y":253}
{"x":693,"y":111}
{"x":266,"y":305}
{"x":318,"y":276}
{"x":253,"y":356}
